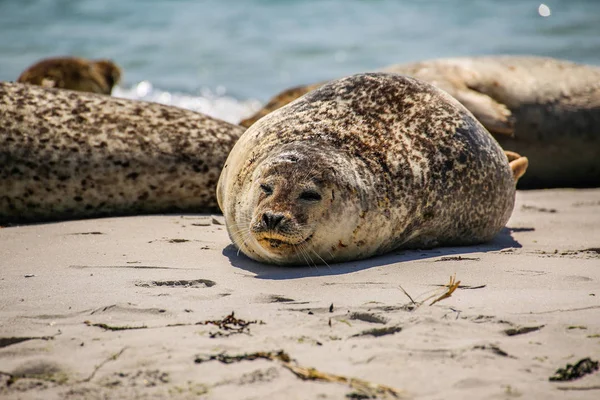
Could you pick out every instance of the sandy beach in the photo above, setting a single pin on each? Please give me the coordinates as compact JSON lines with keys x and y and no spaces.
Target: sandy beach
{"x":141,"y":308}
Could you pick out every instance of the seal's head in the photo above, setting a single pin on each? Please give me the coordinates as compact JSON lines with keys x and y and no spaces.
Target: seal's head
{"x":295,"y":208}
{"x":73,"y":73}
{"x":110,"y":71}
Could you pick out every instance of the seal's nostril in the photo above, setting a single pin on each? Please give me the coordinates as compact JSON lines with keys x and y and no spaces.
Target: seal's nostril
{"x":266,"y":220}
{"x":270,"y":220}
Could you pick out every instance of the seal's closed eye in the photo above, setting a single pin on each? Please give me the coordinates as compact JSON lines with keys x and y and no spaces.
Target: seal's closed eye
{"x":268,"y":190}
{"x":310,"y":195}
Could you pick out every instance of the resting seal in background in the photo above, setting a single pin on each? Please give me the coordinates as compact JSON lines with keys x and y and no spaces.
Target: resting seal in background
{"x":550,"y":106}
{"x":73,"y":73}
{"x":67,"y":155}
{"x":362,"y":166}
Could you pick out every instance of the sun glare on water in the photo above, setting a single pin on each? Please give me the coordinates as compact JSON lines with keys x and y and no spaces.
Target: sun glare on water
{"x":544,"y":10}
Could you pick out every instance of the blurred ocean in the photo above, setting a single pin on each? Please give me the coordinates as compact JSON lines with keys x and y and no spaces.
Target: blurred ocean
{"x":226,"y":57}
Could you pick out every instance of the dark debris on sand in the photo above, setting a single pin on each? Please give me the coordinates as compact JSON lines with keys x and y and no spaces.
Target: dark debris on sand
{"x":230,"y":325}
{"x":571,"y":372}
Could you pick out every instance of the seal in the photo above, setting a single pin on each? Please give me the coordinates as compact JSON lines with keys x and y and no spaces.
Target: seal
{"x":362,"y":166}
{"x":69,"y":155}
{"x":546,"y":108}
{"x":279,"y":101}
{"x":73,"y":73}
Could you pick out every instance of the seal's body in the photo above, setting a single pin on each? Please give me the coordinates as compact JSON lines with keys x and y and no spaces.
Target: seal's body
{"x":67,"y":155}
{"x":546,"y":108}
{"x":73,"y":73}
{"x":361,"y":166}
{"x":549,"y":108}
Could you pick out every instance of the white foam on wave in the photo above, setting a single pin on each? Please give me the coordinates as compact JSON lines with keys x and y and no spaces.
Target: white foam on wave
{"x":214,"y":103}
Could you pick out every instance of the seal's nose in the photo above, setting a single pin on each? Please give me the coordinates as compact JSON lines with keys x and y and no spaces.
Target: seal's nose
{"x":270,"y":220}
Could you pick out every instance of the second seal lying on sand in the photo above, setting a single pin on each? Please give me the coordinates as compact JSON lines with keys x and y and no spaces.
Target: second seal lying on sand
{"x":550,"y":106}
{"x":67,"y":155}
{"x":362,"y":166}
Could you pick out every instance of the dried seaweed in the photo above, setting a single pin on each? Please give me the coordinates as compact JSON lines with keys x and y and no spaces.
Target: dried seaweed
{"x":450,"y":288}
{"x":230,"y":325}
{"x":575,"y":371}
{"x":361,"y":388}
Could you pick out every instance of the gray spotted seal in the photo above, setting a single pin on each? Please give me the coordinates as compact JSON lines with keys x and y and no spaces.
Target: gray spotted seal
{"x":67,"y":155}
{"x":73,"y":73}
{"x":546,"y":108}
{"x":361,"y":166}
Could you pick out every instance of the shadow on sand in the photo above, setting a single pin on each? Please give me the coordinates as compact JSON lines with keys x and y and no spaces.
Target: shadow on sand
{"x":503,"y":240}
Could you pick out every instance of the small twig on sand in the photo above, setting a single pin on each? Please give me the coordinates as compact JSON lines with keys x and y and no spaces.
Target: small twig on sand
{"x":111,"y":358}
{"x":408,"y":295}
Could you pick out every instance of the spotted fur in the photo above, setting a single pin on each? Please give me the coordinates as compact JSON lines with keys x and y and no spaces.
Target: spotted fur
{"x":546,"y":108}
{"x":66,"y":155}
{"x":408,"y":167}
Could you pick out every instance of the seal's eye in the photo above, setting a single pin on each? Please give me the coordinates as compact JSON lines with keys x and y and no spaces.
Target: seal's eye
{"x":266,"y":189}
{"x":310,"y":195}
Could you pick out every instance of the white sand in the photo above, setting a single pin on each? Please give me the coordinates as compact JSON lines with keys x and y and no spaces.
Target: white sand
{"x":537,"y":273}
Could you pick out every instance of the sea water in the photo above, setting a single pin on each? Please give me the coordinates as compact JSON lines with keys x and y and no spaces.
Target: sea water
{"x":227,"y":57}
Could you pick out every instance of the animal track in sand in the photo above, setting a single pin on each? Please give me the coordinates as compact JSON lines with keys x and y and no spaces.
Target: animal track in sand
{"x":148,"y":378}
{"x":577,"y":278}
{"x":479,"y":319}
{"x":358,"y":285}
{"x":180,"y":240}
{"x":377,"y":332}
{"x":368,"y":317}
{"x":494,"y":349}
{"x":7,"y":341}
{"x":256,"y":376}
{"x":526,"y":207}
{"x":593,"y":252}
{"x":311,"y":311}
{"x":522,"y":330}
{"x":527,"y":272}
{"x":125,"y":266}
{"x":126,"y":309}
{"x":57,"y":316}
{"x":521,"y":229}
{"x":458,"y":258}
{"x":182,"y":283}
{"x":38,"y":370}
{"x":586,"y":203}
{"x":274,"y":298}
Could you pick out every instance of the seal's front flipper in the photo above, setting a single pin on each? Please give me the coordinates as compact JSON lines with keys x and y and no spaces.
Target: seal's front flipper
{"x":494,"y":116}
{"x":518,"y":164}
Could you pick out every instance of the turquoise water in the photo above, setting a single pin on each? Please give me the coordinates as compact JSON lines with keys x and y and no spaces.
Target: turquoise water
{"x":224,"y":57}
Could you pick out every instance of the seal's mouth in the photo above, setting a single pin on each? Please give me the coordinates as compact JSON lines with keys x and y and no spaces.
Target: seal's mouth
{"x":276,"y":243}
